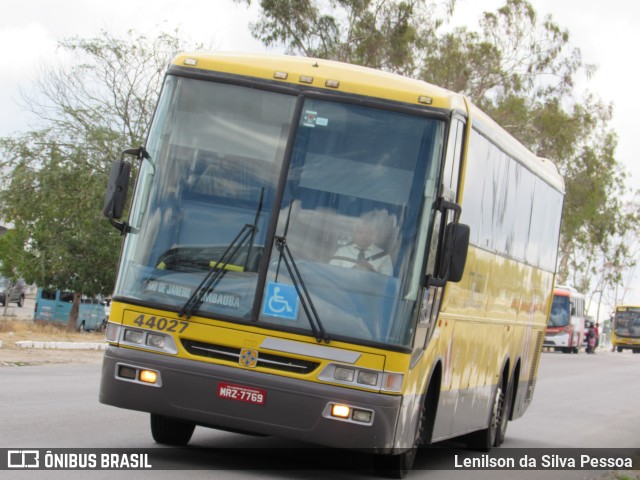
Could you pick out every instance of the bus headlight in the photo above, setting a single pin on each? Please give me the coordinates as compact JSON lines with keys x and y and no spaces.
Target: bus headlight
{"x":150,"y":340}
{"x":155,"y":340}
{"x":368,"y":378}
{"x":359,"y":377}
{"x":344,"y":374}
{"x":133,"y":336}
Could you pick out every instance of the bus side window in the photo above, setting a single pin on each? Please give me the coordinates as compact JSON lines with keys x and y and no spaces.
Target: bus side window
{"x":452,"y":160}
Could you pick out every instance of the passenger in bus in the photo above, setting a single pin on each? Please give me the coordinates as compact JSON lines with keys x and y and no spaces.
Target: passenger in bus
{"x":361,"y":253}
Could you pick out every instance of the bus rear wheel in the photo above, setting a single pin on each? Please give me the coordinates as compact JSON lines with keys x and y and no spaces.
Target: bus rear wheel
{"x":169,"y":431}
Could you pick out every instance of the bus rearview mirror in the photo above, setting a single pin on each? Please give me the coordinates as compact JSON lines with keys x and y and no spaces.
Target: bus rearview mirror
{"x":456,"y":246}
{"x":117,"y":187}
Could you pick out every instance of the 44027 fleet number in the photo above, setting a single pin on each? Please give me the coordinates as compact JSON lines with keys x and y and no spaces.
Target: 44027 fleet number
{"x":161,"y":323}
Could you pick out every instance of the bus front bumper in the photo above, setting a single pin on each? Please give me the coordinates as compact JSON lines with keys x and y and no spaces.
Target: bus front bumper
{"x":291,"y":408}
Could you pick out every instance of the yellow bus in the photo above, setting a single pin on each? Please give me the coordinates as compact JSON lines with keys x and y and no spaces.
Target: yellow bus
{"x":625,"y":331}
{"x":294,"y":260}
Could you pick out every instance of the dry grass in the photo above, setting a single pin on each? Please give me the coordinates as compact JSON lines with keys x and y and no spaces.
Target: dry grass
{"x":12,"y":331}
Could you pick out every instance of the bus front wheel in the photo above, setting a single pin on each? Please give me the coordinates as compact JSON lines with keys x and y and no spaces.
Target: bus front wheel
{"x":395,"y":466}
{"x":484,"y":440}
{"x":169,"y":431}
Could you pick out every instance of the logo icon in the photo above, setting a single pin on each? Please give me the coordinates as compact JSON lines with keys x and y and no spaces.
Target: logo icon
{"x":281,"y":300}
{"x":248,"y":358}
{"x":23,"y":459}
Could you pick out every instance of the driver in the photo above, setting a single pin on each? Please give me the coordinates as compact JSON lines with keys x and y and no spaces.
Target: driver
{"x":361,"y":253}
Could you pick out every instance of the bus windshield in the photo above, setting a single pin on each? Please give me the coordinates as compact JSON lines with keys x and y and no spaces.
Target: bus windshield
{"x":560,"y":311}
{"x":627,"y":323}
{"x":355,"y":210}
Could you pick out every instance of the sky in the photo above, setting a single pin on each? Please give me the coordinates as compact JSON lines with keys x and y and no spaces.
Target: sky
{"x":605,"y":32}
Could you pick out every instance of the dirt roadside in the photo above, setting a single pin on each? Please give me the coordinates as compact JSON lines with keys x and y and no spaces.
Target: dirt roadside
{"x":14,"y":330}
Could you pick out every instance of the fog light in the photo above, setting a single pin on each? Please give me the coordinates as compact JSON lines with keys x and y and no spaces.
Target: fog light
{"x":368,"y":378}
{"x":133,"y":336}
{"x":344,"y":374}
{"x":156,"y":341}
{"x":363,"y":416}
{"x":148,"y":376}
{"x":340,"y":411}
{"x":127,"y":372}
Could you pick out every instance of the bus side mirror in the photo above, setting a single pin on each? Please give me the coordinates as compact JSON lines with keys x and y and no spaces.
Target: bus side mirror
{"x":117,"y":187}
{"x":454,"y":255}
{"x":115,"y":197}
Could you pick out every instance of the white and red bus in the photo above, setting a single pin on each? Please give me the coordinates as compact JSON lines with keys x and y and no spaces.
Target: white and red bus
{"x":567,"y":324}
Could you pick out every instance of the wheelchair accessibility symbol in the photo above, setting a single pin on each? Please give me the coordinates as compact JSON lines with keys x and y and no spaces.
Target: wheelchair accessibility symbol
{"x":281,"y":301}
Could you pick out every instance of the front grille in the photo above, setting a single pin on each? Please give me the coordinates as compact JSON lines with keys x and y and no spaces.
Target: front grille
{"x":265,"y":360}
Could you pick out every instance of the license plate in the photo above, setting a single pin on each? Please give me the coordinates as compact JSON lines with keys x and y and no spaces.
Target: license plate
{"x":241,"y":393}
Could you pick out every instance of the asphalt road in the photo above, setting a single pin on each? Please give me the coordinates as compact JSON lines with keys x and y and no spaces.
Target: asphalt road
{"x":581,"y":401}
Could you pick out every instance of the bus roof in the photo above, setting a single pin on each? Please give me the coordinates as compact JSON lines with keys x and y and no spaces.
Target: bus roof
{"x":358,"y":80}
{"x":316,"y":72}
{"x":563,"y":291}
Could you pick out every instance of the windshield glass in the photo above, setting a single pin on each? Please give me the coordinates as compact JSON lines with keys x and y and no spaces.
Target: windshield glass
{"x":355,"y":214}
{"x":351,"y":214}
{"x":216,"y":153}
{"x":628,"y":322}
{"x":560,"y":312}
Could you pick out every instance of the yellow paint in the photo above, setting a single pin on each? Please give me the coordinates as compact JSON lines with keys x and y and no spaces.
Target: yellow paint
{"x":353,"y":79}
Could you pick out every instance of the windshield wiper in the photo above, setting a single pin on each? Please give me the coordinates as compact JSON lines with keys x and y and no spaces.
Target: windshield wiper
{"x":219,"y":269}
{"x":215,"y":272}
{"x":305,"y":299}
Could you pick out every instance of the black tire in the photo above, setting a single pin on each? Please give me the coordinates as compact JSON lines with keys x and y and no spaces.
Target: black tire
{"x":505,"y":412}
{"x":635,"y":350}
{"x":619,"y":349}
{"x":169,"y":431}
{"x":485,"y":440}
{"x":395,"y":466}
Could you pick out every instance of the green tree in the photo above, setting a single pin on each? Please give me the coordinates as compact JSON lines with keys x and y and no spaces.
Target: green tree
{"x":383,"y":34}
{"x":90,"y":107}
